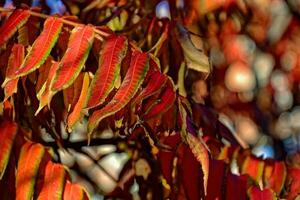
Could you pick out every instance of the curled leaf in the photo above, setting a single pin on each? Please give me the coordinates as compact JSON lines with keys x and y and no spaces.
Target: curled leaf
{"x":194,"y":57}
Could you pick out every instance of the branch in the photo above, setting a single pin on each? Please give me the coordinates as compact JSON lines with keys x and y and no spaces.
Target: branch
{"x":83,"y":143}
{"x":65,"y":21}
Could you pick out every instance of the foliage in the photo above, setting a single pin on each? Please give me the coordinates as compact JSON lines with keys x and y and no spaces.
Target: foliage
{"x":122,"y":67}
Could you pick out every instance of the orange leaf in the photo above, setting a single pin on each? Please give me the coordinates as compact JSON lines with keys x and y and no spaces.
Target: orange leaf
{"x":41,"y":47}
{"x":29,"y":161}
{"x":43,"y":74}
{"x":15,"y":60}
{"x":114,"y":50}
{"x":53,"y":182}
{"x":74,"y":192}
{"x":134,"y":77}
{"x":8,"y":131}
{"x":72,"y":93}
{"x":79,"y":45}
{"x":254,"y":167}
{"x":76,"y":113}
{"x":274,"y":175}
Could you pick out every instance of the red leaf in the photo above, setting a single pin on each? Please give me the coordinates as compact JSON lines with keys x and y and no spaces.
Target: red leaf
{"x":15,"y":60}
{"x":45,"y":94}
{"x":74,"y":192}
{"x":133,"y":79}
{"x":274,"y":175}
{"x":166,"y":158}
{"x":293,"y":182}
{"x":190,"y":174}
{"x":72,"y":93}
{"x":8,"y":131}
{"x":200,"y":152}
{"x":114,"y":50}
{"x":30,"y":158}
{"x":53,"y":182}
{"x":236,"y":186}
{"x":16,"y":20}
{"x":156,"y":82}
{"x":43,"y":74}
{"x":79,"y":45}
{"x":255,"y":193}
{"x":163,"y":104}
{"x":215,"y":179}
{"x":41,"y":47}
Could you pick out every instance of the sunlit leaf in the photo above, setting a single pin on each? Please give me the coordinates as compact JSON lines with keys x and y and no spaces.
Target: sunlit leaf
{"x":74,"y":192}
{"x":16,"y":20}
{"x":79,"y":45}
{"x":53,"y":182}
{"x":274,"y":175}
{"x":138,"y":67}
{"x":254,"y":167}
{"x":41,"y":47}
{"x":15,"y":60}
{"x":29,"y":161}
{"x":114,"y":50}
